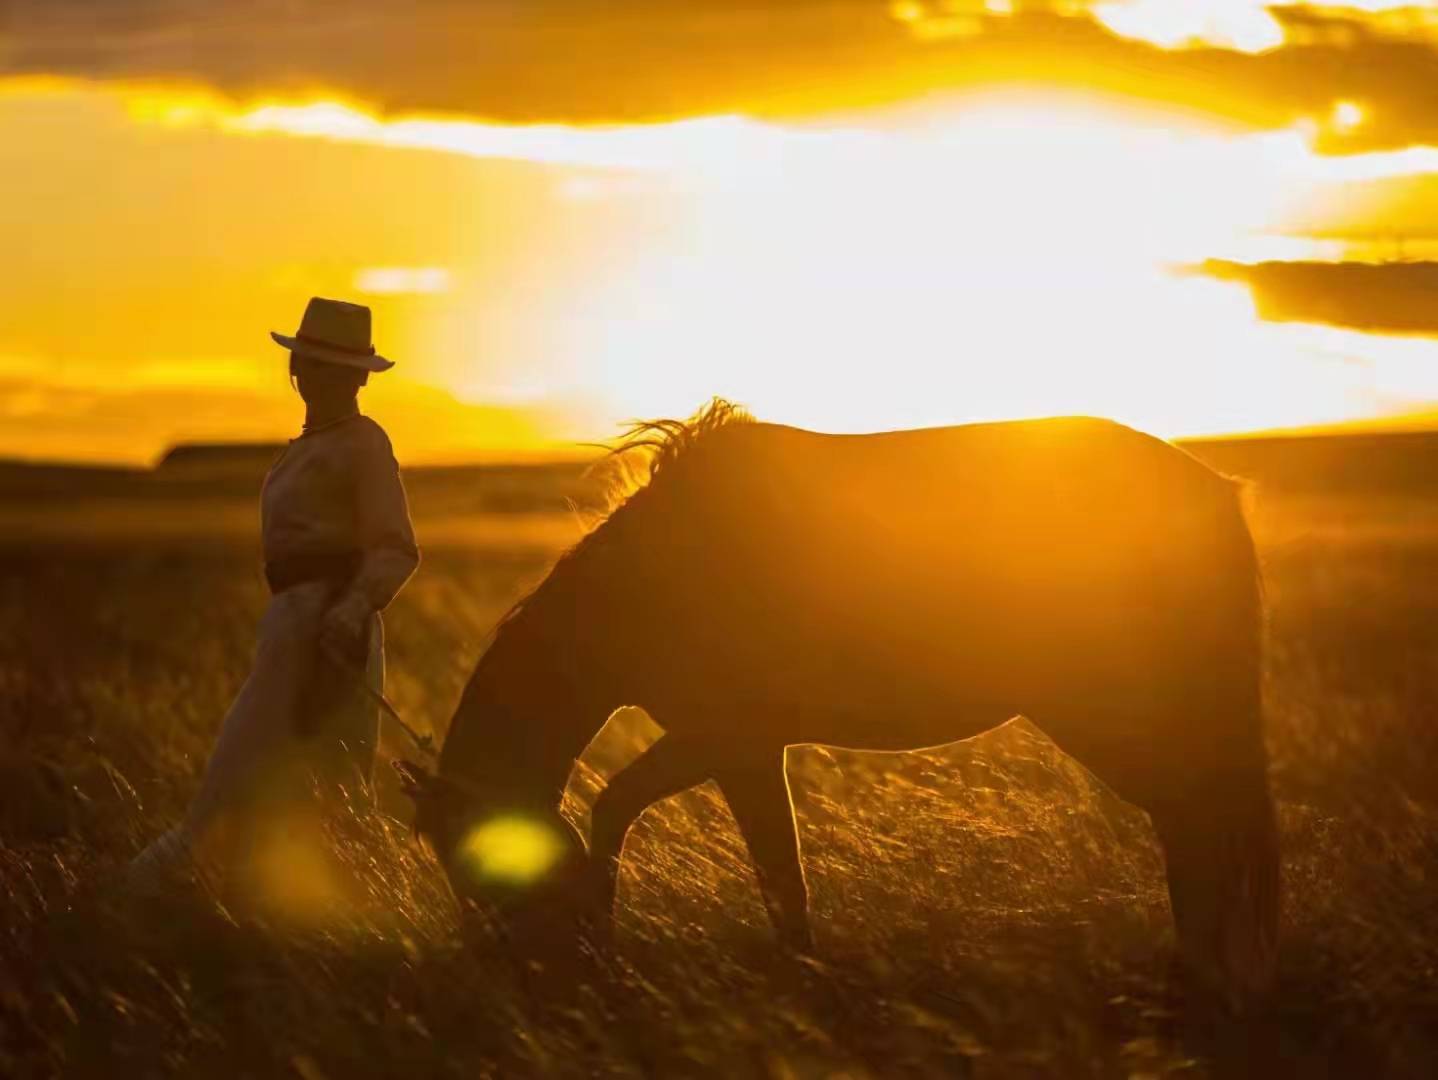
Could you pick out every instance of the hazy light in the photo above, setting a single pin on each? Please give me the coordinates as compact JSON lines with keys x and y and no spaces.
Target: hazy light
{"x":511,"y":850}
{"x":1010,"y":261}
{"x":400,"y":280}
{"x":1347,"y":115}
{"x":292,"y":874}
{"x":941,"y":19}
{"x":1250,"y":25}
{"x":1000,"y":254}
{"x":717,"y":147}
{"x":1244,"y":25}
{"x":735,"y":152}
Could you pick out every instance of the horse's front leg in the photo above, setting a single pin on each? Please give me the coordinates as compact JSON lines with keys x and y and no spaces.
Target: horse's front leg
{"x":667,"y":767}
{"x":757,"y":790}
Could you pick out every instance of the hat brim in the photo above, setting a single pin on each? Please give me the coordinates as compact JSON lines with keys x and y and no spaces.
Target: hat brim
{"x":371,"y":362}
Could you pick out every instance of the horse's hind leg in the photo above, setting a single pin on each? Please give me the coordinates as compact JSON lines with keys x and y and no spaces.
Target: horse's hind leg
{"x":757,"y":791}
{"x":1221,"y":849}
{"x":1201,"y":773}
{"x":666,"y":768}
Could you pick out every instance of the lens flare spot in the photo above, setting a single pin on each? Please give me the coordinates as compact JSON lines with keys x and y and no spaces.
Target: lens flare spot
{"x":290,"y":875}
{"x":1347,"y":115}
{"x":511,"y":850}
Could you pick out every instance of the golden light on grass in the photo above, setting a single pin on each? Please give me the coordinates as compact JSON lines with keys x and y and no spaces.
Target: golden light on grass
{"x":292,"y":875}
{"x":511,"y":850}
{"x":994,"y":870}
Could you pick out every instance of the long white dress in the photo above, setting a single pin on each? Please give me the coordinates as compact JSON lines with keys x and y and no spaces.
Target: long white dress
{"x":302,"y":726}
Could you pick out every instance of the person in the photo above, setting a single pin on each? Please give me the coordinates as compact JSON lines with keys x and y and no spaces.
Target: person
{"x":338,"y":546}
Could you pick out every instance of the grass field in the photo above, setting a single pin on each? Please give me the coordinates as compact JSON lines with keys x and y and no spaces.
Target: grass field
{"x":983,"y":910}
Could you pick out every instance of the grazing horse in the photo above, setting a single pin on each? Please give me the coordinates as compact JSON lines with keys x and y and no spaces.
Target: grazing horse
{"x":770,"y":586}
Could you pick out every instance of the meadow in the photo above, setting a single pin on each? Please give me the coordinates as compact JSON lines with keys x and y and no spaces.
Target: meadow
{"x":982,"y":910}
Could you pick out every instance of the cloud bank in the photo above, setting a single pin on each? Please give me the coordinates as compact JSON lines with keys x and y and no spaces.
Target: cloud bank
{"x":584,"y":61}
{"x":1389,"y":298}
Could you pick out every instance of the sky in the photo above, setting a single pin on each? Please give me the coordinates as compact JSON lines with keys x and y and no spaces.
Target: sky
{"x":846,"y":214}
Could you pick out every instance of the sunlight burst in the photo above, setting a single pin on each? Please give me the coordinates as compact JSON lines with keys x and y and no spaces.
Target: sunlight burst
{"x":1244,"y":25}
{"x":1005,"y":254}
{"x":1012,"y":255}
{"x":1347,"y":115}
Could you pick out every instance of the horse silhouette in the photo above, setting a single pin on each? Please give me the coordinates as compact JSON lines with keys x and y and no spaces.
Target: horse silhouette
{"x":771,"y":586}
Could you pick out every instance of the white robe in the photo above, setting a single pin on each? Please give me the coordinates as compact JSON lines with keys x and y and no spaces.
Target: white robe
{"x":299,"y":725}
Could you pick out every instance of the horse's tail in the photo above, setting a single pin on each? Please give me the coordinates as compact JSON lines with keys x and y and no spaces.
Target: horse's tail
{"x":1220,"y":832}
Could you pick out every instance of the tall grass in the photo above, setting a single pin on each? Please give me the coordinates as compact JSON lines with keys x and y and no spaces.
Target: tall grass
{"x":983,"y":910}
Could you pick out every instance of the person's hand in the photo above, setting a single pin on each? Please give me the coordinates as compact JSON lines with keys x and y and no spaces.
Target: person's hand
{"x":344,"y":629}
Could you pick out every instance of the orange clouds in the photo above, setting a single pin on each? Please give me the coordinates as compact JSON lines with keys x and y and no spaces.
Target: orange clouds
{"x":592,"y":62}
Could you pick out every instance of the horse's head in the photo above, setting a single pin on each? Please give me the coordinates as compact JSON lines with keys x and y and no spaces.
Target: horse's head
{"x":523,"y":864}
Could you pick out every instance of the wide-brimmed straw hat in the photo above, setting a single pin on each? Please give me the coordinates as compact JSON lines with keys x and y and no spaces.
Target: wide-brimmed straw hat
{"x":335,"y":332}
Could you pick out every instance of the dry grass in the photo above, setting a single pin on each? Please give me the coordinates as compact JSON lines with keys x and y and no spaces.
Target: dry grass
{"x":985,"y":910}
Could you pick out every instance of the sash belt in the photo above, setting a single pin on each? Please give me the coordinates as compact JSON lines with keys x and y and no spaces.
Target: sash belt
{"x":336,"y":567}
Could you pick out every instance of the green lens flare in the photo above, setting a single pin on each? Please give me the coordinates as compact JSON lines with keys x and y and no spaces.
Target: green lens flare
{"x":511,"y":850}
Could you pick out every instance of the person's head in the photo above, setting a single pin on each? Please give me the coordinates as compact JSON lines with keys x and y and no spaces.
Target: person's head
{"x":322,"y":383}
{"x":332,"y":354}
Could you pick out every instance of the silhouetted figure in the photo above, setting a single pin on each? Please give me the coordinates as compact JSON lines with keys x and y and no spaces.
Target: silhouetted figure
{"x":338,"y":546}
{"x":772,"y":586}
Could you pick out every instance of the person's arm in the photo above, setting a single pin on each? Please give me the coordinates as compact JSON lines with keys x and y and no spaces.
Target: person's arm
{"x":385,"y":533}
{"x":385,"y":537}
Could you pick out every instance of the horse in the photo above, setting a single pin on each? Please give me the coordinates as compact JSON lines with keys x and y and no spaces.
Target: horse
{"x":770,"y":586}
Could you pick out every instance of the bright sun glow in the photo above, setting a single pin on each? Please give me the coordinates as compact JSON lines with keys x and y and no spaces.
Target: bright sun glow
{"x":511,"y":850}
{"x":1007,"y":256}
{"x":1021,"y":128}
{"x":402,"y":280}
{"x":1347,"y":115}
{"x":999,"y":255}
{"x":1245,"y":25}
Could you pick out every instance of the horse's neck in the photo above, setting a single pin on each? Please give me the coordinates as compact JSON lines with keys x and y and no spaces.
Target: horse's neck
{"x":537,"y":698}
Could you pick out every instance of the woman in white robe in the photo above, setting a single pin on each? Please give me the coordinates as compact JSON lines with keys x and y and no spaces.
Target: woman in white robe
{"x":338,"y":545}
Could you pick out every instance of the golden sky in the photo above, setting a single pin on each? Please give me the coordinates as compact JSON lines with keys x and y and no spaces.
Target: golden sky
{"x":848,"y":215}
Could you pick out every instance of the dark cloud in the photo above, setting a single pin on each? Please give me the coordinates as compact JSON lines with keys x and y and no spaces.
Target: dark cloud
{"x":592,"y":61}
{"x":1392,"y":298}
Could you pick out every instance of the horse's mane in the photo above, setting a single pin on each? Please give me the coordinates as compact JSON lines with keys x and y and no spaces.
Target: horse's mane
{"x":627,"y":474}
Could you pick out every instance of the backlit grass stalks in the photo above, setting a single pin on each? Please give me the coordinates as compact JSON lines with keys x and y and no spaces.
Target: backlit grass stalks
{"x":982,"y":910}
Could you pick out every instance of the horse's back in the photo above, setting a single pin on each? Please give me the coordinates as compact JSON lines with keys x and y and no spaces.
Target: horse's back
{"x":1011,"y":559}
{"x":1032,"y":465}
{"x":1039,"y":506}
